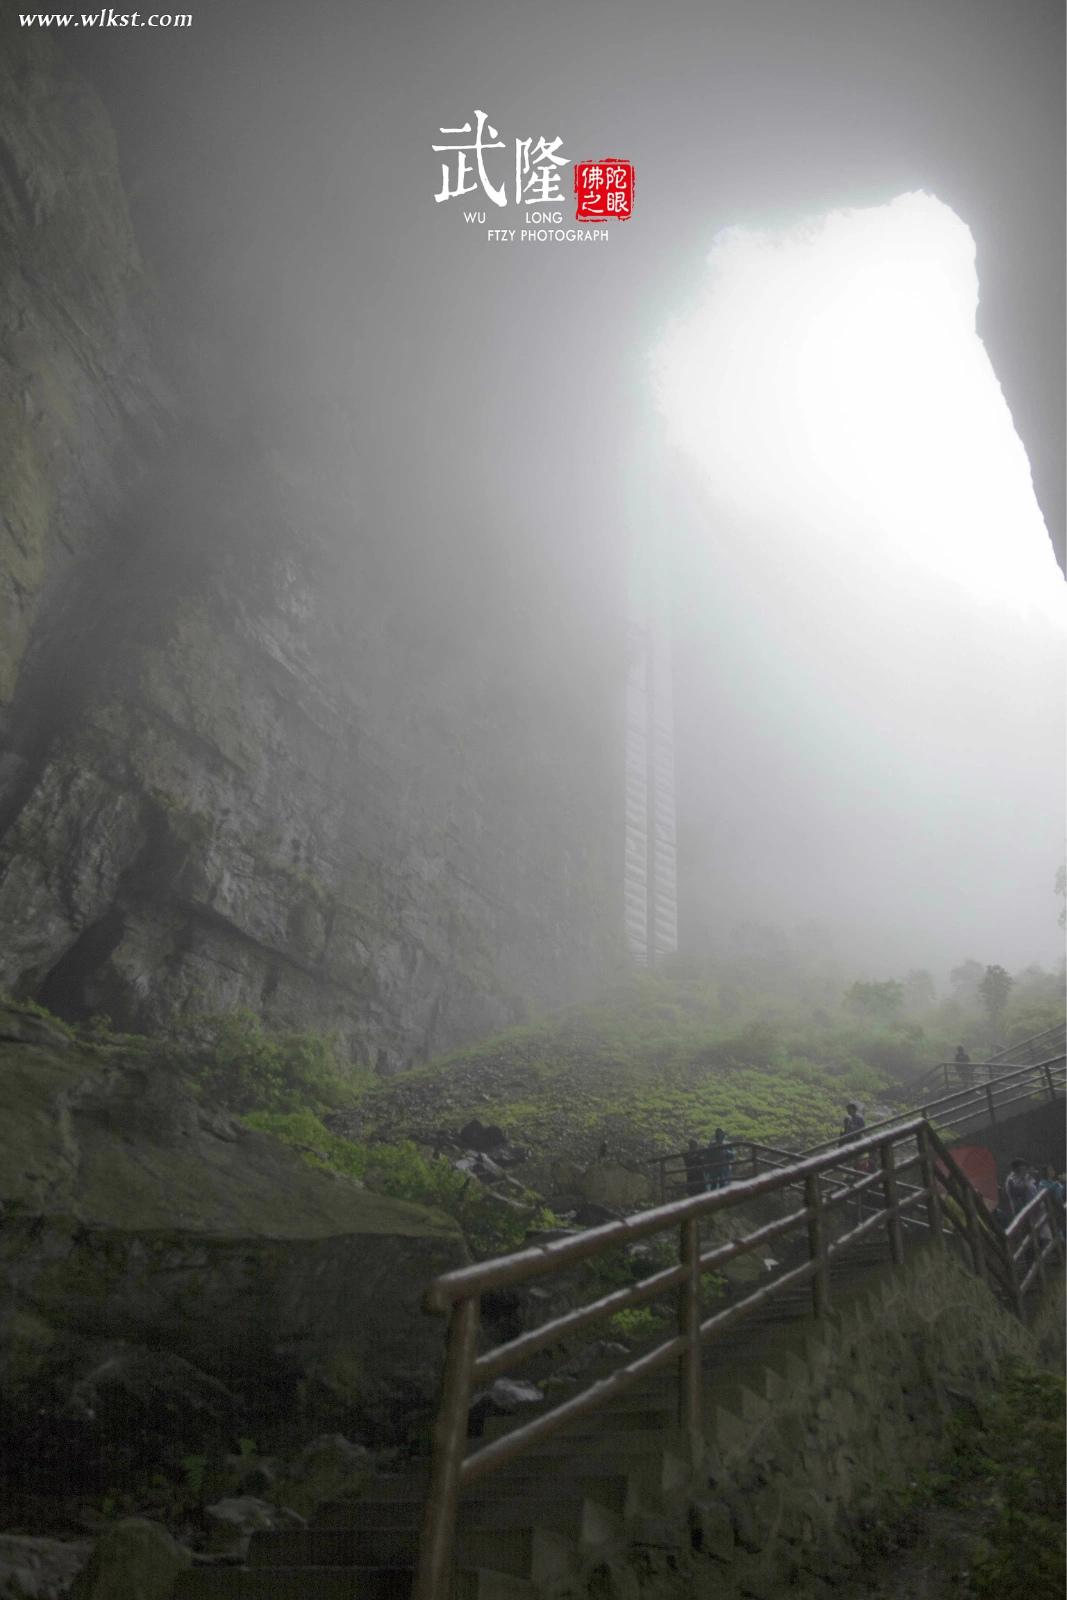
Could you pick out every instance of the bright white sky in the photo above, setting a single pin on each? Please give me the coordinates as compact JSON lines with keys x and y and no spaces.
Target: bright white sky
{"x":836,"y":365}
{"x":870,"y":620}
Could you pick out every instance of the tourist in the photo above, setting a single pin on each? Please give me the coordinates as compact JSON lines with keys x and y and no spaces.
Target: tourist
{"x":1049,"y":1182}
{"x":854,"y":1123}
{"x":1019,"y":1188}
{"x":964,"y":1069}
{"x":720,"y":1161}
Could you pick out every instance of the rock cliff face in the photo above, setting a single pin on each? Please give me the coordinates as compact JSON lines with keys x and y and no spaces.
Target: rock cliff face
{"x":255,"y":751}
{"x":166,"y":1272}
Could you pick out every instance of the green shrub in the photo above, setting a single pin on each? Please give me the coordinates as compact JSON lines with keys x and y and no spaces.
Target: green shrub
{"x":404,"y":1173}
{"x":252,"y":1070}
{"x":1007,"y":1462}
{"x":640,"y":1324}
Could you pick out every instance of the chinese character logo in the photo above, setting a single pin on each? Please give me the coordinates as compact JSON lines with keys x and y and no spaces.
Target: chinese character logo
{"x":537,"y":166}
{"x":605,"y":190}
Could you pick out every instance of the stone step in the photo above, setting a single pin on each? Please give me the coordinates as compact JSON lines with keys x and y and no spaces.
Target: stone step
{"x":649,"y":1473}
{"x":622,"y":1446}
{"x":402,"y":1506}
{"x":538,"y":1553}
{"x":580,"y":1517}
{"x":616,"y":1416}
{"x":292,"y":1583}
{"x":333,"y":1583}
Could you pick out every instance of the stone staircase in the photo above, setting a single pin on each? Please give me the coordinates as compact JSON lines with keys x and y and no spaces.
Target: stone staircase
{"x":581,"y":1492}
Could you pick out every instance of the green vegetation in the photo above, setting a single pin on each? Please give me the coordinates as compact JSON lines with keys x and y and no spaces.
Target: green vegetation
{"x":35,"y":1010}
{"x":995,"y":989}
{"x":249,"y":1069}
{"x":490,"y":1224}
{"x":882,"y":1000}
{"x":1006,"y":1466}
{"x":640,"y":1324}
{"x":651,"y":1064}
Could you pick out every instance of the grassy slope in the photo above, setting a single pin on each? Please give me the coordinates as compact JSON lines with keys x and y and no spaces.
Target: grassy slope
{"x":649,"y":1066}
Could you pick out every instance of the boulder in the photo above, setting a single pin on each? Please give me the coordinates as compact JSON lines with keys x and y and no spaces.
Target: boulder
{"x":39,"y":1569}
{"x":331,"y":1467}
{"x":591,"y":1214}
{"x":154,"y":1267}
{"x":610,"y":1183}
{"x":134,"y":1560}
{"x":475,"y":1135}
{"x":232,"y":1522}
{"x":504,"y":1397}
{"x":507,"y":1395}
{"x":20,"y":1025}
{"x":104,"y":1410}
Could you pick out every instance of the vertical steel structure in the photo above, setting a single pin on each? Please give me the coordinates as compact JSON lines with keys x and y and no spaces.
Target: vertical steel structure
{"x":650,"y":869}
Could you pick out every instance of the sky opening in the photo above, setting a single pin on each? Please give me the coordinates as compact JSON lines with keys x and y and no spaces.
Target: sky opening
{"x":833,"y":372}
{"x":869,"y":618}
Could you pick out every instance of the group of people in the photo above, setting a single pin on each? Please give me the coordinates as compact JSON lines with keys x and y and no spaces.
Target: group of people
{"x":709,"y":1166}
{"x":1021,"y":1186}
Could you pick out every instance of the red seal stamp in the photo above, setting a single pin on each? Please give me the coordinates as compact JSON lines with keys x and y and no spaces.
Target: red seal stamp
{"x":605,"y":190}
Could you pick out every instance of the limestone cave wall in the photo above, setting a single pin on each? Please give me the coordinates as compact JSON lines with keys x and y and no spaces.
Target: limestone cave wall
{"x":256,"y":748}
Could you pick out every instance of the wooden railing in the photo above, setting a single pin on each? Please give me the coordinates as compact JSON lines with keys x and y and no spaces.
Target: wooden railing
{"x":955,"y":1112}
{"x":1037,"y":1047}
{"x":1033,"y":1238}
{"x":949,"y":1206}
{"x":1041,"y":1048}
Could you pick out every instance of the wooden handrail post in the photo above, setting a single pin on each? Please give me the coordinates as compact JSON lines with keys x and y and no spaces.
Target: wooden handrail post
{"x":929,"y":1176}
{"x":1036,"y":1246}
{"x":1048,"y":1080}
{"x":820,"y":1283}
{"x":992,"y":1106}
{"x":1013,"y":1274}
{"x":1054,"y":1224}
{"x":887,"y":1156}
{"x":974,"y":1235}
{"x":433,"y":1575}
{"x":689,"y":1365}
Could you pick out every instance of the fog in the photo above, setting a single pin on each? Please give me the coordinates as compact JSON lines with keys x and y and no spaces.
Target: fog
{"x":870,"y":621}
{"x":868,"y":665}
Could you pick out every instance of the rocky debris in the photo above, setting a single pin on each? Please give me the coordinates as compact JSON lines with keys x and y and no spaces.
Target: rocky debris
{"x":232,"y":1522}
{"x":590,"y":1214}
{"x":610,"y":1183}
{"x":480,"y":1167}
{"x":134,"y":1560}
{"x":250,"y":1473}
{"x":331,"y":1468}
{"x":39,"y":1569}
{"x":549,"y":1235}
{"x":503,"y":1398}
{"x":506,"y":1395}
{"x":599,"y":1351}
{"x":475,"y":1135}
{"x":106,"y":1400}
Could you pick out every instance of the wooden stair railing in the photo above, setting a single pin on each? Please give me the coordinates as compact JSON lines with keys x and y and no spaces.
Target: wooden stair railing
{"x":952,"y":1211}
{"x":1039,"y":1048}
{"x":976,"y":1105}
{"x":1033,"y":1236}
